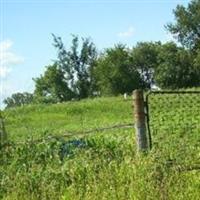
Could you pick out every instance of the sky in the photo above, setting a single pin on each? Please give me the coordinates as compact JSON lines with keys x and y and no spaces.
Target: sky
{"x":26,"y":27}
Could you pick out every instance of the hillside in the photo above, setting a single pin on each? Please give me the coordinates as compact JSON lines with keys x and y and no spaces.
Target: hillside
{"x":101,"y":165}
{"x":37,"y":120}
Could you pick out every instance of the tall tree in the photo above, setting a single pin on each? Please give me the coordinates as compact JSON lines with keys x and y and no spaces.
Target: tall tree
{"x":196,"y":64}
{"x":187,"y":25}
{"x":144,"y":58}
{"x":115,"y":73}
{"x":76,"y":64}
{"x":52,"y":86}
{"x":175,"y":68}
{"x":18,"y":99}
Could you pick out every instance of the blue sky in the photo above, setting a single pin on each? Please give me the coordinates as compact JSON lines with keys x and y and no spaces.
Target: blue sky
{"x":26,"y":27}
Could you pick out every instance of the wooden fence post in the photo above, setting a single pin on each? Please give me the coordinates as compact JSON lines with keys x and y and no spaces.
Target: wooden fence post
{"x":3,"y":134}
{"x":140,"y":122}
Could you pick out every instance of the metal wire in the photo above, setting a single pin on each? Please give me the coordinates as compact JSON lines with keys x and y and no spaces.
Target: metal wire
{"x":172,"y":111}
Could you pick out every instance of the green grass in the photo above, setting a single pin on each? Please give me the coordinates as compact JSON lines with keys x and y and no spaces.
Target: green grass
{"x":36,"y":120}
{"x":107,"y":166}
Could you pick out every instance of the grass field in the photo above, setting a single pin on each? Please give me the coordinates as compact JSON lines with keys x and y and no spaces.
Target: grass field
{"x":102,"y":165}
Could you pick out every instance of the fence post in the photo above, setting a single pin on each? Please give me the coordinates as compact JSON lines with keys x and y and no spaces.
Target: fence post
{"x":140,"y":125}
{"x":3,"y":134}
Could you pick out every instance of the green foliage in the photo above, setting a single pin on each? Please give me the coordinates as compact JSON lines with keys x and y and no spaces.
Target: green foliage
{"x":197,"y":62}
{"x":52,"y":87}
{"x":18,"y":99}
{"x":107,"y":167}
{"x":39,"y":120}
{"x":79,"y":72}
{"x":114,"y":73}
{"x":76,"y":64}
{"x":144,"y":59}
{"x":187,"y":26}
{"x":175,"y":68}
{"x":3,"y":133}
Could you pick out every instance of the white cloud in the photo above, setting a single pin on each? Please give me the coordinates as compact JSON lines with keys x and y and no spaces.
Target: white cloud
{"x":127,"y":34}
{"x":7,"y":58}
{"x":4,"y":71}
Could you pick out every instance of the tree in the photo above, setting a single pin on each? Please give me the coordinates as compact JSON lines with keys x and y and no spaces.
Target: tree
{"x":175,"y":68}
{"x":144,"y":58}
{"x":187,"y":25}
{"x":76,"y":63}
{"x":196,"y":63}
{"x":114,"y":73}
{"x":18,"y":99}
{"x":52,"y":86}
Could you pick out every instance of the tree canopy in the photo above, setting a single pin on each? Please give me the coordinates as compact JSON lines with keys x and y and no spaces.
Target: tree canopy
{"x":80,"y":71}
{"x":52,"y":86}
{"x":144,"y":58}
{"x":187,"y":24}
{"x":115,"y":74}
{"x":18,"y":99}
{"x":175,"y":68}
{"x":76,"y":64}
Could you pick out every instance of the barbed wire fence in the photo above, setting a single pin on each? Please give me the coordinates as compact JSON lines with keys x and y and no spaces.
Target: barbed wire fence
{"x":163,"y":113}
{"x":83,"y":130}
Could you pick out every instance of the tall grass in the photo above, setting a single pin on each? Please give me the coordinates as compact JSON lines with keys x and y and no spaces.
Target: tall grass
{"x":107,"y":165}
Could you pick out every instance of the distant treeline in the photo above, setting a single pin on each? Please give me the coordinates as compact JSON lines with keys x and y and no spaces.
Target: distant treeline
{"x":80,"y":71}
